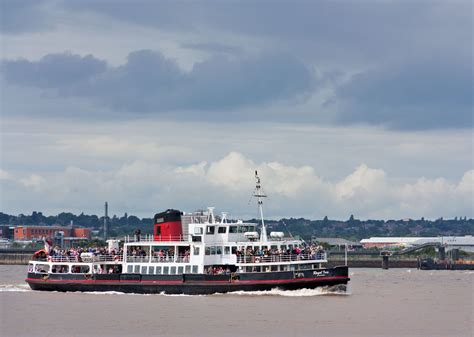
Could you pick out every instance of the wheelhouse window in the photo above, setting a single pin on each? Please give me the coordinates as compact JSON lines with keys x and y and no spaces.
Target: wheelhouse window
{"x":226,"y":250}
{"x":233,"y":229}
{"x":207,"y":250}
{"x":42,"y":268}
{"x":219,"y":250}
{"x":197,"y":230}
{"x":60,"y":269}
{"x":80,"y":269}
{"x":221,"y":230}
{"x":210,"y":230}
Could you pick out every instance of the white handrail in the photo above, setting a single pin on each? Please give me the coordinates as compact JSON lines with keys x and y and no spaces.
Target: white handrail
{"x":321,"y":256}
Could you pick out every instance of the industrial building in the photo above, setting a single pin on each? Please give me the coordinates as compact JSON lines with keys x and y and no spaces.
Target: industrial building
{"x":465,"y":243}
{"x":27,"y":233}
{"x":62,"y":236}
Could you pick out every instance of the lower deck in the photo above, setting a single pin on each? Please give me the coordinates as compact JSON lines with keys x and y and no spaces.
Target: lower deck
{"x":190,"y":283}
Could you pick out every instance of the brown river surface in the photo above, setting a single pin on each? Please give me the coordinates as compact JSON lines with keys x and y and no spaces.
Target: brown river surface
{"x":395,"y":302}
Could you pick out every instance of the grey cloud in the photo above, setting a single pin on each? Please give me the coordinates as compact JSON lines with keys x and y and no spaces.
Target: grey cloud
{"x":323,"y":30}
{"x":53,"y":71}
{"x":214,"y":48}
{"x":416,"y":94}
{"x":149,"y":82}
{"x":19,"y":16}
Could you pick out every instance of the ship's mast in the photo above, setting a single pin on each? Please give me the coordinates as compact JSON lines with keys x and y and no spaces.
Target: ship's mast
{"x":259,"y":195}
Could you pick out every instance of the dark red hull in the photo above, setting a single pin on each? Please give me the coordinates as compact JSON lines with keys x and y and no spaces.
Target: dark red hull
{"x":190,"y":283}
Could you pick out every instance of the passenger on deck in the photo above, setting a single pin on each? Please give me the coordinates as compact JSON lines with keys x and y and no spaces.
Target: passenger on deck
{"x":138,"y":233}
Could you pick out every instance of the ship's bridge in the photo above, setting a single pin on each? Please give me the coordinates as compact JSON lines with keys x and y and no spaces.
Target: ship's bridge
{"x":216,"y":232}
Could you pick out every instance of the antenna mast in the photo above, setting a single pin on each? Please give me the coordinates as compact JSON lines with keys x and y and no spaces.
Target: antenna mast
{"x":259,"y":195}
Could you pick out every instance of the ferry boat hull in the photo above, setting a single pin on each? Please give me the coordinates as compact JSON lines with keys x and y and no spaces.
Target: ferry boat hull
{"x":191,"y":284}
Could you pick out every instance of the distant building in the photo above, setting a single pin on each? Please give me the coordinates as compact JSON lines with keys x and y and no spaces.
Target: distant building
{"x":27,"y":233}
{"x":337,"y":242}
{"x":6,"y":232}
{"x":465,"y":243}
{"x":64,"y":237}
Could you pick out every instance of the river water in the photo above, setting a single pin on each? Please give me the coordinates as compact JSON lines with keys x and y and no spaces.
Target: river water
{"x":395,"y":302}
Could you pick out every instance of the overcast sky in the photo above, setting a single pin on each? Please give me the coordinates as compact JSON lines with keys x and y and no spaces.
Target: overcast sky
{"x":344,"y":107}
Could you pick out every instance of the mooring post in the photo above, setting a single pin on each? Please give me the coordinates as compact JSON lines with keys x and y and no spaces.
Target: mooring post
{"x":441,"y":253}
{"x":384,"y":261}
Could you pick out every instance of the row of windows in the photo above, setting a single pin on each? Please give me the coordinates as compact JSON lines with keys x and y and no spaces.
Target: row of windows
{"x":37,"y":231}
{"x":210,"y":230}
{"x":42,"y":231}
{"x":159,"y":270}
{"x":259,"y":269}
{"x":44,"y":268}
{"x":217,"y":250}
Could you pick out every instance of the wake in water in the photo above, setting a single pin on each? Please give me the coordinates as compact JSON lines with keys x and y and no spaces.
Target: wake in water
{"x":324,"y":291}
{"x":15,"y":288}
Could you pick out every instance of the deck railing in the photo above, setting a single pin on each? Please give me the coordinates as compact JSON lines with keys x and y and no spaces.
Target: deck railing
{"x":151,"y":238}
{"x":320,"y":256}
{"x":159,"y":259}
{"x":86,"y":259}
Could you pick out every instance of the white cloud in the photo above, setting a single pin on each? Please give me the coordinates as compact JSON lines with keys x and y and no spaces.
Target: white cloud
{"x":4,"y":175}
{"x":235,"y":172}
{"x":466,"y":185}
{"x":143,"y":187}
{"x":231,"y":172}
{"x":363,"y":181}
{"x":34,"y":181}
{"x":196,"y":170}
{"x":146,"y":165}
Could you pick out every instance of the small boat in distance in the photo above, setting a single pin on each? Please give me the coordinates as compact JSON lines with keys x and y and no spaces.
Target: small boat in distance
{"x":192,"y":253}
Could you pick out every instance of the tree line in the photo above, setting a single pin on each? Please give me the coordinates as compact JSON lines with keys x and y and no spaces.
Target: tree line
{"x":352,"y":228}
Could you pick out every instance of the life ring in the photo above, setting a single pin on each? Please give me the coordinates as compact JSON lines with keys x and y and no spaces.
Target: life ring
{"x":87,"y":276}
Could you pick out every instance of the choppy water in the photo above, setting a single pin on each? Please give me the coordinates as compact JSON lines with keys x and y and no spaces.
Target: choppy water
{"x":396,"y":302}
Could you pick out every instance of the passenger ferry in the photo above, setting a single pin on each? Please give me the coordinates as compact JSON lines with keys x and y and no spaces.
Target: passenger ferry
{"x":192,"y":253}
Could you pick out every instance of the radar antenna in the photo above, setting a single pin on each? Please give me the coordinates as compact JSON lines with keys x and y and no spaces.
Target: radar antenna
{"x":259,"y":195}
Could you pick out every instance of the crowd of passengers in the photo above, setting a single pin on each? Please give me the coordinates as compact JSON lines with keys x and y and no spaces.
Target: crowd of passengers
{"x":257,"y":254}
{"x":217,"y":270}
{"x":162,"y":255}
{"x":251,"y":254}
{"x":84,"y":254}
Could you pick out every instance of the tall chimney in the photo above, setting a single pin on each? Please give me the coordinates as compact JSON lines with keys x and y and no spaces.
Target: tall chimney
{"x":106,"y":217}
